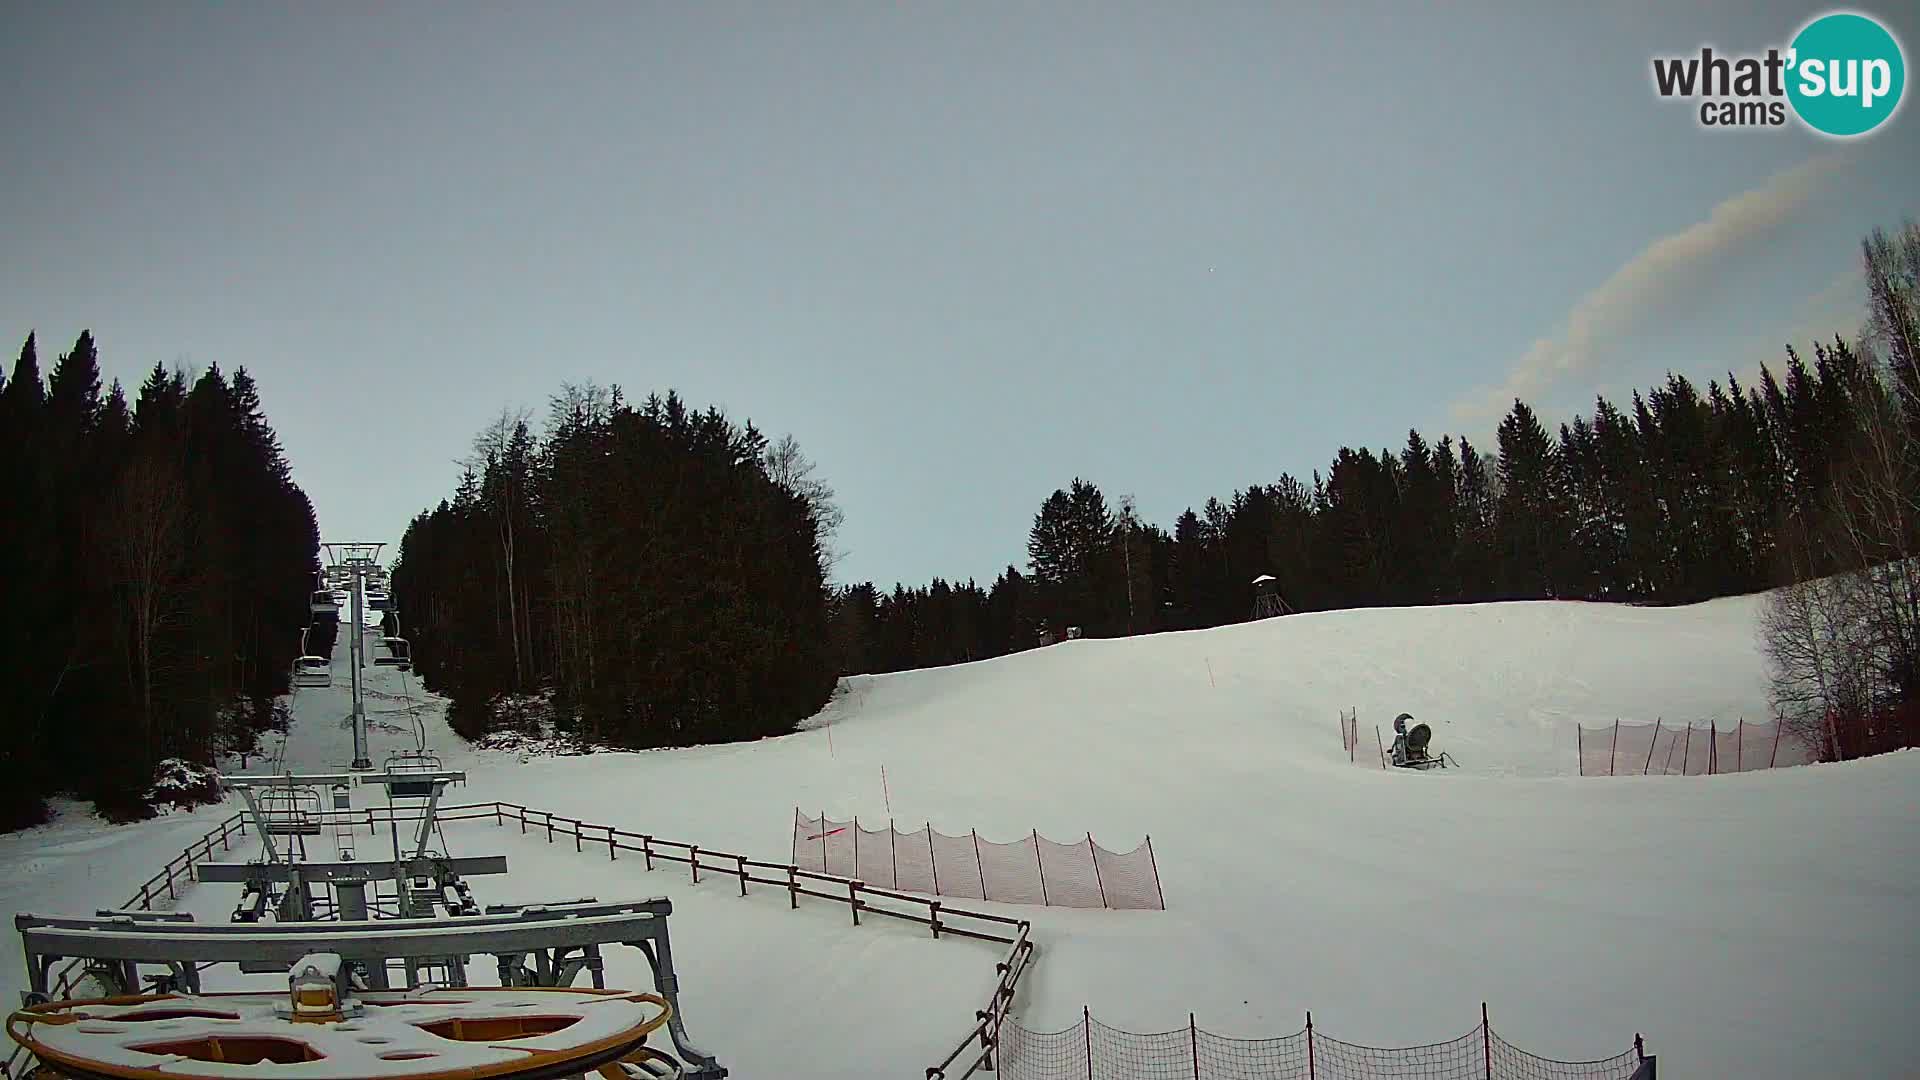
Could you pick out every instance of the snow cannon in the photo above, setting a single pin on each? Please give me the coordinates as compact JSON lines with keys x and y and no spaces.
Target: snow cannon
{"x":1411,"y":746}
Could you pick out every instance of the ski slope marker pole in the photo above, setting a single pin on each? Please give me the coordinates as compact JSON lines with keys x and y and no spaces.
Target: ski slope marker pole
{"x":1486,"y":1040}
{"x":1086,"y":1025}
{"x":1310,"y":1044}
{"x":1040,"y":869}
{"x":1193,"y":1041}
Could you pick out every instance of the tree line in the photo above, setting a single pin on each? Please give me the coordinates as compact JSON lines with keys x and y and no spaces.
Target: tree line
{"x":658,"y":569}
{"x":158,"y":562}
{"x":1679,"y":495}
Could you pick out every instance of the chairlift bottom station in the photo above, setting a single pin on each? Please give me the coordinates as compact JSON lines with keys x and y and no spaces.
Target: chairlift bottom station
{"x":377,"y":957}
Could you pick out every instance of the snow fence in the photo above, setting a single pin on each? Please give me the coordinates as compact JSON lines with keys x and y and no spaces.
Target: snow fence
{"x":1664,"y":749}
{"x":1031,"y":870}
{"x":1090,"y":1050}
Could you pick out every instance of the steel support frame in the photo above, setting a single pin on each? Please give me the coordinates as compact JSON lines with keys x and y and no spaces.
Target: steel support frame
{"x":564,"y":938}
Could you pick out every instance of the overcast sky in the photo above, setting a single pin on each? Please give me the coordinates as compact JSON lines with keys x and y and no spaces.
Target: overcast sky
{"x":964,"y":252}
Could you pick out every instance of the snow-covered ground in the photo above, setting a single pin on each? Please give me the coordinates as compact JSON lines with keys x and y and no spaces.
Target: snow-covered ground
{"x":1754,"y":925}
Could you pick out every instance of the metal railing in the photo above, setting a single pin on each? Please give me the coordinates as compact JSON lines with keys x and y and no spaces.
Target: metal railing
{"x":938,"y":916}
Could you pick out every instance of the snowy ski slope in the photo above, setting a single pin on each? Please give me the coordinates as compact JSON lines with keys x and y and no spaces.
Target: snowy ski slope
{"x":1754,"y":925}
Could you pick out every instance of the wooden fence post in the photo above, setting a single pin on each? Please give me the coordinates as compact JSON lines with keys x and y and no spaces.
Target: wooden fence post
{"x":1094,"y":854}
{"x":646,"y":849}
{"x":1775,"y":756}
{"x":1613,"y":754}
{"x":856,"y":845}
{"x":853,"y":899}
{"x":742,"y":862}
{"x":578,"y":827}
{"x":893,"y":853}
{"x":933,"y":917}
{"x":1650,"y":746}
{"x":1580,"y":747}
{"x":611,"y":849}
{"x":824,"y":868}
{"x":1740,"y":745}
{"x":693,"y":862}
{"x":793,"y":887}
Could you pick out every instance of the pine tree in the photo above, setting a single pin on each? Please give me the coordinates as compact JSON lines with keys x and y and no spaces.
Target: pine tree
{"x":1069,"y":542}
{"x":1530,"y":519}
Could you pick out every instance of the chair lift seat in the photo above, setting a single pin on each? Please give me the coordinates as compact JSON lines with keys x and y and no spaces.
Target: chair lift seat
{"x":312,"y":671}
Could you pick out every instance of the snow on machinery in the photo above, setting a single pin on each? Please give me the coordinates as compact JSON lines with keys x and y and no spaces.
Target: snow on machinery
{"x":395,"y":932}
{"x":535,"y":1024}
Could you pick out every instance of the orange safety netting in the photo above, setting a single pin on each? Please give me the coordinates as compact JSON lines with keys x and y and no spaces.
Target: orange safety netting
{"x":1031,"y":870}
{"x":1665,"y":749}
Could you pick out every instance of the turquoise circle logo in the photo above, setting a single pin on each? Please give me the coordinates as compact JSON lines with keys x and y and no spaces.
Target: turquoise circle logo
{"x":1847,"y":74}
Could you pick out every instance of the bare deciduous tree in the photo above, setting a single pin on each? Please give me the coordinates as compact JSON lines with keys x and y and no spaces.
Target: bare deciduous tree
{"x":795,"y":472}
{"x":495,"y":446}
{"x":150,"y":536}
{"x":1845,"y":648}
